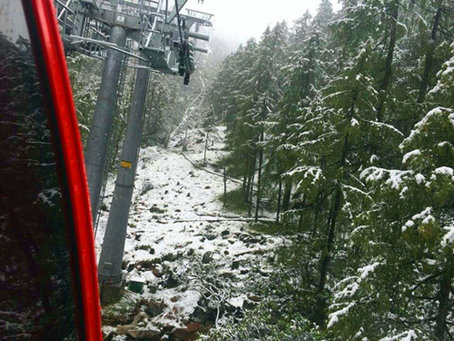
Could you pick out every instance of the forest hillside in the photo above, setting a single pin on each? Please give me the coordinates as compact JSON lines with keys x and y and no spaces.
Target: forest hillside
{"x":345,"y":123}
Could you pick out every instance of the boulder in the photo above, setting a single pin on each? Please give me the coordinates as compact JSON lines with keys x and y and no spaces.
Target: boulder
{"x":148,"y":264}
{"x":189,"y":332}
{"x":155,"y":308}
{"x":235,"y":264}
{"x":157,"y":272}
{"x":210,"y":236}
{"x":146,"y":333}
{"x":156,"y":209}
{"x":170,"y":281}
{"x":248,"y":304}
{"x":207,"y":257}
{"x":122,"y":312}
{"x":254,"y":298}
{"x":139,"y":317}
{"x":152,"y":288}
{"x":204,"y":313}
{"x":227,"y":274}
{"x":146,"y":187}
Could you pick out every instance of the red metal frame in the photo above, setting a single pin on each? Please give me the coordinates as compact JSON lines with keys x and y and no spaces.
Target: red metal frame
{"x":63,"y":105}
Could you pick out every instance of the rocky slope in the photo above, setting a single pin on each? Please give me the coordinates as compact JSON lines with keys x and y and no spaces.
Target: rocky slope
{"x":192,"y":257}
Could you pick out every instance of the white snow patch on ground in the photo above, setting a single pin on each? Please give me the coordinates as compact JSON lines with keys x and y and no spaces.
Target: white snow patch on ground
{"x":176,"y":211}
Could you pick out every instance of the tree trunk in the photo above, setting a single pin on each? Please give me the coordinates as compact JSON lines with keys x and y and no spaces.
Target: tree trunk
{"x":317,"y":210}
{"x":389,"y":59}
{"x":326,"y":253}
{"x":327,"y":250}
{"x":248,"y":188}
{"x":205,"y":151}
{"x":300,"y":222}
{"x":392,"y":45}
{"x":279,"y":201}
{"x":428,"y":65}
{"x":320,"y":309}
{"x":443,"y":306}
{"x":287,"y":193}
{"x":225,"y":186}
{"x":259,"y":180}
{"x":245,"y":186}
{"x":251,"y":189}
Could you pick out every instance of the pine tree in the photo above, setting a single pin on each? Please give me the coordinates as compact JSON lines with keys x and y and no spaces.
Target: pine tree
{"x":208,"y":125}
{"x":405,"y":239}
{"x":318,"y":121}
{"x":333,"y":148}
{"x":85,"y":75}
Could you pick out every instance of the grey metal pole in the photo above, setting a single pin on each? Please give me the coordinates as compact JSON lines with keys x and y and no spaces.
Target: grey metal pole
{"x":110,"y":261}
{"x":101,"y":126}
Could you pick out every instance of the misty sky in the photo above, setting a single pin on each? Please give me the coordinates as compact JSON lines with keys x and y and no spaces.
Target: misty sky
{"x":237,"y":20}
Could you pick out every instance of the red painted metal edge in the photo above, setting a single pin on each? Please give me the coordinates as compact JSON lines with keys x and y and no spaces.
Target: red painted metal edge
{"x":62,"y":100}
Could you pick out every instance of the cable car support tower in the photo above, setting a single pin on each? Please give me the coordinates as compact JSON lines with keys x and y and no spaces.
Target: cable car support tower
{"x":156,"y":36}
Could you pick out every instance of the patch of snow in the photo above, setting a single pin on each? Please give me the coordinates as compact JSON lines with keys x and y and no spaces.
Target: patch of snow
{"x":405,"y":336}
{"x":415,"y":152}
{"x":392,"y":177}
{"x":444,"y":171}
{"x":428,"y":219}
{"x":423,"y":214}
{"x":364,"y":271}
{"x":188,"y":302}
{"x":402,"y":192}
{"x":334,"y":317}
{"x":383,"y":125}
{"x":431,"y":261}
{"x":47,"y":195}
{"x":448,"y":238}
{"x":408,"y":224}
{"x":373,"y":158}
{"x":237,"y":301}
{"x":445,"y":144}
{"x":307,"y":172}
{"x":418,"y":128}
{"x":359,"y":228}
{"x":420,"y":178}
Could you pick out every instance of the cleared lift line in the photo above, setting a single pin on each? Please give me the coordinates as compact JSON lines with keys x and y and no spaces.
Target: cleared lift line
{"x":147,"y":27}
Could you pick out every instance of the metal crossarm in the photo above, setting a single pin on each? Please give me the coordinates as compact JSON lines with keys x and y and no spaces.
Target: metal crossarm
{"x":179,"y":4}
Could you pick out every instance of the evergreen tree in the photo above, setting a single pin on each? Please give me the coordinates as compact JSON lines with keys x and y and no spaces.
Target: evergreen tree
{"x":402,"y":283}
{"x":317,"y":120}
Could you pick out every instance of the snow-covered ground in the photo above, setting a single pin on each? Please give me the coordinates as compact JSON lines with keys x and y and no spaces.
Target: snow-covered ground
{"x":177,"y":223}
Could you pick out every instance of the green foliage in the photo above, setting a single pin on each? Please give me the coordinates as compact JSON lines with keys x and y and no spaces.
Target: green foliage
{"x":234,"y":201}
{"x":352,"y":114}
{"x":85,"y":76}
{"x":267,"y":322}
{"x":274,"y":228}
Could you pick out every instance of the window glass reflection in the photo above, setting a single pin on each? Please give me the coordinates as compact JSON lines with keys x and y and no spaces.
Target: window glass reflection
{"x":35,"y":285}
